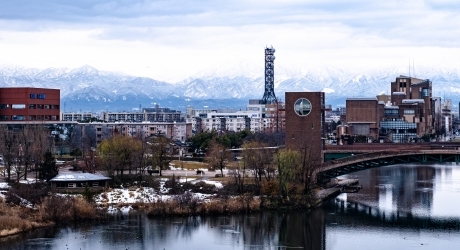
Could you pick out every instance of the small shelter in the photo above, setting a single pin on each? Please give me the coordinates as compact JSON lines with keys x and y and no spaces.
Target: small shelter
{"x":76,"y":182}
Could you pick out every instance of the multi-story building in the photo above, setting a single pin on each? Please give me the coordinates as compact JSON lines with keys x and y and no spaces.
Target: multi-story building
{"x":447,"y":120}
{"x":364,"y":115}
{"x":29,"y":104}
{"x":78,"y":117}
{"x":305,"y":129}
{"x":406,"y":115}
{"x":177,"y":131}
{"x":256,"y":118}
{"x":155,"y":114}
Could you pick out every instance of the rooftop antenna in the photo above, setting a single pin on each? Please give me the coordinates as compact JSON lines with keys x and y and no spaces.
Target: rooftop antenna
{"x":409,"y":69}
{"x":413,"y":67}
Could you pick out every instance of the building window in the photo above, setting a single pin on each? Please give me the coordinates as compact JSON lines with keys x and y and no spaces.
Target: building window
{"x":409,"y":111}
{"x":425,"y":92}
{"x":54,"y":117}
{"x":302,"y":107}
{"x":18,"y":106}
{"x":39,"y":106}
{"x":55,"y":106}
{"x":4,"y":106}
{"x":72,"y":185}
{"x":4,"y":118}
{"x":391,"y":111}
{"x":32,"y":106}
{"x":39,"y":117}
{"x":32,"y":117}
{"x":18,"y":117}
{"x":47,"y":106}
{"x":47,"y":117}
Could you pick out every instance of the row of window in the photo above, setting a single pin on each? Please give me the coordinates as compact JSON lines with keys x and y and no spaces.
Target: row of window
{"x":75,"y":185}
{"x":31,"y":106}
{"x":31,"y":118}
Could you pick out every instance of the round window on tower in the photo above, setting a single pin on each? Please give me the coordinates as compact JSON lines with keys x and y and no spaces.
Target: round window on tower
{"x":302,"y":107}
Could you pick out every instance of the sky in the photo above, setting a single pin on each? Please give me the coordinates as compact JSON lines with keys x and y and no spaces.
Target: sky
{"x":172,"y":40}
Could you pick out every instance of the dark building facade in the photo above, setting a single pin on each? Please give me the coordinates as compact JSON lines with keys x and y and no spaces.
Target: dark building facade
{"x":364,"y":115}
{"x":419,"y":109}
{"x":29,"y":104}
{"x":405,"y":116}
{"x":304,"y":114}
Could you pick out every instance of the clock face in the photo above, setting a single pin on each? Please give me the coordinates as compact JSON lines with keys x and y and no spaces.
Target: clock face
{"x":302,"y":107}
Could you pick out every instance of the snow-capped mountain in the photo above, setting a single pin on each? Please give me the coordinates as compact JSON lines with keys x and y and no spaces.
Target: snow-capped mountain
{"x":88,"y":89}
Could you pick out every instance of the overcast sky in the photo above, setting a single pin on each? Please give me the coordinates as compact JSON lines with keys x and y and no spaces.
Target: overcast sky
{"x":175,"y":39}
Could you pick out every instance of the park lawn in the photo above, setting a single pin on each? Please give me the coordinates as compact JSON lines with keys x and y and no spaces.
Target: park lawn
{"x":189,"y":164}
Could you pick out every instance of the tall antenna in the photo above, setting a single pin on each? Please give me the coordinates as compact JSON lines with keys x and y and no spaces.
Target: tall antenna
{"x":269,"y":94}
{"x":413,"y":67}
{"x":409,"y":69}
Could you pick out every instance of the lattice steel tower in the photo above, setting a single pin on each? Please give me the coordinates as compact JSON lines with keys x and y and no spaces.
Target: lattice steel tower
{"x":269,"y":94}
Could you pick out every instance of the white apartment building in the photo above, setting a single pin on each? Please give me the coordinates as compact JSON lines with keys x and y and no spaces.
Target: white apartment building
{"x":177,"y":131}
{"x":253,"y":119}
{"x":72,"y":116}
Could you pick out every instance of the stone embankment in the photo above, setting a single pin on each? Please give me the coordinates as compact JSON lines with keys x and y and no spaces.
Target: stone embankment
{"x":327,"y":193}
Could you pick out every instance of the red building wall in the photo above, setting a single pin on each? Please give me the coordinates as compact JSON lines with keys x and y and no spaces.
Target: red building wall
{"x":305,"y":132}
{"x":29,"y":104}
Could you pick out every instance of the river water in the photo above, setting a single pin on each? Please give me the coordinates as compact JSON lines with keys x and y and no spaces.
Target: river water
{"x":399,"y":207}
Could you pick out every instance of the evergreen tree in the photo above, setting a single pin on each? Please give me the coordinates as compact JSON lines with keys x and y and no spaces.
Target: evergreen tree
{"x":48,"y":168}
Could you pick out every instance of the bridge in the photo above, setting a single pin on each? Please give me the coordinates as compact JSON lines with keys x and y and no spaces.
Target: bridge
{"x":364,"y":156}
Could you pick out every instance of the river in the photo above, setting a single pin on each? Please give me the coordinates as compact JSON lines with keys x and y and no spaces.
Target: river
{"x":399,"y":207}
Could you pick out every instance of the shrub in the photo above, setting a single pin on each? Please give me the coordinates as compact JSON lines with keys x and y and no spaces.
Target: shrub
{"x":174,"y":185}
{"x":13,"y":219}
{"x":33,"y":193}
{"x":64,"y":209}
{"x":270,"y":188}
{"x":88,"y":194}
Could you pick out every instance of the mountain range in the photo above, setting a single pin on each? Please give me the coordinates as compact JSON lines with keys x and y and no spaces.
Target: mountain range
{"x":89,"y":89}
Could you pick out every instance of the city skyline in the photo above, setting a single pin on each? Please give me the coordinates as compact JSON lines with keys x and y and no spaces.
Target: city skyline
{"x":173,"y":40}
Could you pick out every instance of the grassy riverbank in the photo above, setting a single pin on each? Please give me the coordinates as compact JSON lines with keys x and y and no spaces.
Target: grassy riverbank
{"x":16,"y":219}
{"x":169,"y":198}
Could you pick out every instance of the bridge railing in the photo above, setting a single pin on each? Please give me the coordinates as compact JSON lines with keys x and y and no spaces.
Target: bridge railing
{"x":385,"y":153}
{"x":388,"y":153}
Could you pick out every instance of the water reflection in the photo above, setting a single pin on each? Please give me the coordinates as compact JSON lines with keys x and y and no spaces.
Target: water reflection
{"x":265,"y":230}
{"x":399,"y":207}
{"x":425,"y":190}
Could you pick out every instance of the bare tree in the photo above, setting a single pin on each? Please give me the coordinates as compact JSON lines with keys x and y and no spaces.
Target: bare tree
{"x":258,"y":157}
{"x":160,"y":149}
{"x":218,"y":156}
{"x":40,"y":145}
{"x":311,"y":163}
{"x":8,"y":148}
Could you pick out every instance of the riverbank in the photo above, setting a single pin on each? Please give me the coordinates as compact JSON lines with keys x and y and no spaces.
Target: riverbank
{"x":14,"y":220}
{"x":328,"y":193}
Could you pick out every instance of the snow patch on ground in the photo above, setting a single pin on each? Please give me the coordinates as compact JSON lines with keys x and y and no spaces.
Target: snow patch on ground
{"x":4,"y":185}
{"x":127,"y":196}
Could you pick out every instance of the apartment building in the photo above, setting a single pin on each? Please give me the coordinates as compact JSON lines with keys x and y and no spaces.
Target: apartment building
{"x":405,"y":115}
{"x":29,"y":104}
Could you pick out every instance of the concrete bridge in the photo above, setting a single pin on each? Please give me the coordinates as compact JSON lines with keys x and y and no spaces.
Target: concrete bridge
{"x":367,"y":157}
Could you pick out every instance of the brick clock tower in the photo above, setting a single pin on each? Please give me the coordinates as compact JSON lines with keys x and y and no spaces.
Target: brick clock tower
{"x":305,"y":123}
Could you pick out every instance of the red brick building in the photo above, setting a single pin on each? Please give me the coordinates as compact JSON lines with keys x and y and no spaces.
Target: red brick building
{"x":29,"y":104}
{"x":364,"y":116}
{"x":305,"y":123}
